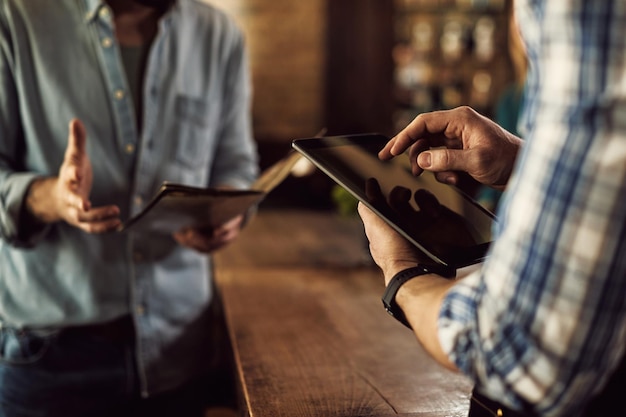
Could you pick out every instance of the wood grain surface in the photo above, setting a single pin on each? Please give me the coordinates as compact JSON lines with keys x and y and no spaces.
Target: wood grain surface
{"x":309,"y":332}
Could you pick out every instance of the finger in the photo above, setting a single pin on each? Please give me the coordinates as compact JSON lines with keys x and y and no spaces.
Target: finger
{"x":366,"y":214}
{"x":74,"y":154}
{"x":419,"y":147}
{"x":99,"y":214}
{"x":98,"y":220}
{"x":439,"y":160}
{"x":229,"y":226}
{"x":364,"y":211}
{"x":192,"y":240}
{"x":99,"y":227}
{"x":77,"y":141}
{"x":77,"y":202}
{"x":431,"y":126}
{"x":387,"y":246}
{"x":224,"y":236}
{"x":385,"y":152}
{"x":371,"y":220}
{"x":447,"y":177}
{"x":195,"y":240}
{"x":440,"y":128}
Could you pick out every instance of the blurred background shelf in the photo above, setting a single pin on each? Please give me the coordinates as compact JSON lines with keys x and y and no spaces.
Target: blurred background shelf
{"x":357,"y":66}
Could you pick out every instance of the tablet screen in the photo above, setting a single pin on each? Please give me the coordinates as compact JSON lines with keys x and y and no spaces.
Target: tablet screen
{"x":442,"y":221}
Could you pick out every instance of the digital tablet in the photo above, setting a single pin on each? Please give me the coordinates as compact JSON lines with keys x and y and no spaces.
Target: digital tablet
{"x":439,"y":219}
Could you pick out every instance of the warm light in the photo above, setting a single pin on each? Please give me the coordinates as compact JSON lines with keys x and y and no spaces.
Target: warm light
{"x":302,"y":168}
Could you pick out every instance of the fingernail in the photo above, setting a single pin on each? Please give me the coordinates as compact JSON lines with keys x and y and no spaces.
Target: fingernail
{"x":426,"y":159}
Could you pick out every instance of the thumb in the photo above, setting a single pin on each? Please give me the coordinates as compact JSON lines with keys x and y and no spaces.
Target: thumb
{"x":439,"y":160}
{"x":77,"y":141}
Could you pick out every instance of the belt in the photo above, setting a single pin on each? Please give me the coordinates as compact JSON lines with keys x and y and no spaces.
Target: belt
{"x":481,"y":406}
{"x":118,"y":330}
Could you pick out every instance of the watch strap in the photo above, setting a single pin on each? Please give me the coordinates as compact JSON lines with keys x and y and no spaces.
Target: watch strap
{"x":389,"y":296}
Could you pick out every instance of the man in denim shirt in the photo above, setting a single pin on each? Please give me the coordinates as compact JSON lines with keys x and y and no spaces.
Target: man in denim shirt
{"x":93,"y":320}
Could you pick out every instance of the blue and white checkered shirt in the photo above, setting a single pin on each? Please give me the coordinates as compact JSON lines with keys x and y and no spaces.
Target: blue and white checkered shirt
{"x":543,"y":323}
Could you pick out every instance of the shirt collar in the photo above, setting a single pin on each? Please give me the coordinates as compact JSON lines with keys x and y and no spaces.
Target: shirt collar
{"x":92,"y":7}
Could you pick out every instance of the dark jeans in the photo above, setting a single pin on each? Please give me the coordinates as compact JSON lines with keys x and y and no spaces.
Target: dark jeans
{"x":85,"y":373}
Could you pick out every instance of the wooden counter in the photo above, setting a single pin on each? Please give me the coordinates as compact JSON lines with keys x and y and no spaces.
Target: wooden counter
{"x":309,"y":332}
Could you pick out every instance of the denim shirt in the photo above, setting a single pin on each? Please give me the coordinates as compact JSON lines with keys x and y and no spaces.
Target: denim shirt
{"x":59,"y":60}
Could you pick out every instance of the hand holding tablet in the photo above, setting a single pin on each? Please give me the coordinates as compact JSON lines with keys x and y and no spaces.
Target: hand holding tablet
{"x":440,"y":220}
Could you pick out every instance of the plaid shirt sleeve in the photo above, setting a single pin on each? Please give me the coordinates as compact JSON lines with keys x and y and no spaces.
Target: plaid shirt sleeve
{"x":543,"y":323}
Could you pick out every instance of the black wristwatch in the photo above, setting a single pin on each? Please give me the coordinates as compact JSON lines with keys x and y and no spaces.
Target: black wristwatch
{"x":389,"y":296}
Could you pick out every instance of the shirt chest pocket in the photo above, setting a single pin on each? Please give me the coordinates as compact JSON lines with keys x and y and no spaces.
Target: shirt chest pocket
{"x":196,"y":125}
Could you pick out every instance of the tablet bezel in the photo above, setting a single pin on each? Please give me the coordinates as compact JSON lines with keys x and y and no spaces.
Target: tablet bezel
{"x":374,"y":142}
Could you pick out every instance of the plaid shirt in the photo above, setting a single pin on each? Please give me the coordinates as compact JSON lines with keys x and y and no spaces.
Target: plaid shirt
{"x":543,"y":323}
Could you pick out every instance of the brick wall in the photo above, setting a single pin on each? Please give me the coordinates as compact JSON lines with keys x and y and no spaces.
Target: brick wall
{"x":286,"y":41}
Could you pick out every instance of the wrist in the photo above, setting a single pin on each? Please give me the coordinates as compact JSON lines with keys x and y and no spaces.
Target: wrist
{"x":400,"y":278}
{"x":41,"y":200}
{"x":389,"y":271}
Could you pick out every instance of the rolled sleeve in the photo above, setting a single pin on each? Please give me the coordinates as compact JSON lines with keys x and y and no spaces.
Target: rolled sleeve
{"x":15,"y":228}
{"x":542,"y":325}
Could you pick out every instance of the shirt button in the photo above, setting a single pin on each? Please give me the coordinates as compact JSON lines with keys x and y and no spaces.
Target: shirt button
{"x":138,"y":200}
{"x":137,"y":256}
{"x":119,"y":94}
{"x":140,"y":310}
{"x":104,"y":13}
{"x":107,"y":42}
{"x":129,"y":148}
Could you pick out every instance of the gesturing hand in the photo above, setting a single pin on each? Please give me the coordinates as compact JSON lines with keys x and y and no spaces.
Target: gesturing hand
{"x":74,"y":186}
{"x":467,"y":142}
{"x":75,"y":174}
{"x":66,"y":197}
